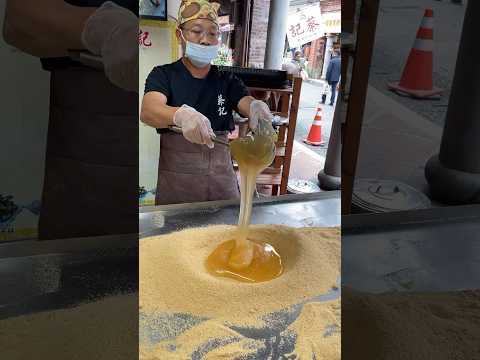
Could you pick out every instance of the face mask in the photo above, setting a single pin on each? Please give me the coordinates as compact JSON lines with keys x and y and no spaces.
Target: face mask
{"x":200,"y":55}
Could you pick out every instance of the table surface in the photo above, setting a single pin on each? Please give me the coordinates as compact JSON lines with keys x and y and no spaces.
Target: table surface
{"x":434,"y":249}
{"x":47,"y":275}
{"x":319,"y":209}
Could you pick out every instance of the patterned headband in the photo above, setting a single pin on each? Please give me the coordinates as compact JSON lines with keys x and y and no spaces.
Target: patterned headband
{"x":197,"y":9}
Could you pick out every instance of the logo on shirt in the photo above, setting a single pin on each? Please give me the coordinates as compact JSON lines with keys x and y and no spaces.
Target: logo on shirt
{"x":221,"y":107}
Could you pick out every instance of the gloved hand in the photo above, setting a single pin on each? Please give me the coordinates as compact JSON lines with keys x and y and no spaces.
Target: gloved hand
{"x":112,"y":32}
{"x":195,"y":126}
{"x":258,"y":110}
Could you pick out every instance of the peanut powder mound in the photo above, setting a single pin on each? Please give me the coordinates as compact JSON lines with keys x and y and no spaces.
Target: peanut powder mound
{"x":409,"y":325}
{"x":103,"y":330}
{"x":187,"y":313}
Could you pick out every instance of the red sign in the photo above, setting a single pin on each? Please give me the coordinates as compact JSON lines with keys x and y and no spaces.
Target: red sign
{"x":143,"y":38}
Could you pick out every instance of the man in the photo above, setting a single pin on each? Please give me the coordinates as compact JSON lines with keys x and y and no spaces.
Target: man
{"x":333,"y":74}
{"x":296,"y":66}
{"x":193,"y":95}
{"x":91,"y":166}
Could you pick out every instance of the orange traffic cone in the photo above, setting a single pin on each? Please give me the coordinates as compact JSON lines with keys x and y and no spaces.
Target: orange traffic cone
{"x":416,"y":78}
{"x":315,"y":133}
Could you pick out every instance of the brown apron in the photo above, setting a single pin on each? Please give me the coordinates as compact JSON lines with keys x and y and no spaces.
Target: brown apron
{"x":91,"y":172}
{"x":191,"y":173}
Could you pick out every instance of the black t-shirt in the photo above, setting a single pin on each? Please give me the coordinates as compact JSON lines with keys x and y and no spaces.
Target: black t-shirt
{"x":50,"y":64}
{"x":214,"y":96}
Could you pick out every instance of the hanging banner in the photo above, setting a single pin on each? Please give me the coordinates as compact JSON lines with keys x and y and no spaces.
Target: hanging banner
{"x":304,"y":25}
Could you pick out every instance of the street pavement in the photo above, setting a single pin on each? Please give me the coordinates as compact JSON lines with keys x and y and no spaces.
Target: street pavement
{"x":310,"y":98}
{"x":397,"y":26}
{"x":399,"y":134}
{"x":308,"y":160}
{"x":396,"y":142}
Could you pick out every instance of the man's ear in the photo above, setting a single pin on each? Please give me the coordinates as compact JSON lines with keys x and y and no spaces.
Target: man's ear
{"x":178,"y":33}
{"x":180,"y":38}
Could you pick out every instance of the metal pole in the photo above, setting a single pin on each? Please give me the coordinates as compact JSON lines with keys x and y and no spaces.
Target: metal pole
{"x":276,"y":33}
{"x":454,"y":174}
{"x":330,"y":177}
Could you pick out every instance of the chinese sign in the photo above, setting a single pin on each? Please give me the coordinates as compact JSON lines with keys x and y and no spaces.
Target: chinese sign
{"x":332,"y":22}
{"x":304,"y":25}
{"x":144,"y":38}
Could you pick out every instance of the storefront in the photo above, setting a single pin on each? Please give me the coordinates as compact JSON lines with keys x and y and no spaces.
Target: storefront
{"x":314,"y":29}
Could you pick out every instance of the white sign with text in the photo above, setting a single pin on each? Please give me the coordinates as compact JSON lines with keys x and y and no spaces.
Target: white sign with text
{"x":332,"y":22}
{"x":304,"y":25}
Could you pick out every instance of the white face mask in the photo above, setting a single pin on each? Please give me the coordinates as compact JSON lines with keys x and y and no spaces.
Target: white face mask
{"x":200,"y":55}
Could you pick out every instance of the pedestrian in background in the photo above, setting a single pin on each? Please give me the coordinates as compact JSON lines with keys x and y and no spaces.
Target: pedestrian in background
{"x":296,"y":66}
{"x":333,"y":74}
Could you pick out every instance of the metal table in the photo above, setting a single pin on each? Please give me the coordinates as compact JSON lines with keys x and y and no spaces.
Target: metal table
{"x":47,"y":275}
{"x":435,"y":249}
{"x":318,"y":209}
{"x":55,"y":274}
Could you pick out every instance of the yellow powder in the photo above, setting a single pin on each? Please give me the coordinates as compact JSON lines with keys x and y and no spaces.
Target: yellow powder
{"x":101,"y":330}
{"x":310,"y":327}
{"x":420,"y":326}
{"x":317,"y":332}
{"x":225,"y":319}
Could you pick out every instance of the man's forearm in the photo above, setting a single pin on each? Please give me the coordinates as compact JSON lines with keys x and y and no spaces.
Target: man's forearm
{"x":244,"y":105}
{"x":159,"y":117}
{"x":47,"y":30}
{"x":44,"y":48}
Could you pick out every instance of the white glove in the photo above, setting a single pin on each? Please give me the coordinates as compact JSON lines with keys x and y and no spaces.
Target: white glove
{"x":258,"y":110}
{"x":112,"y":32}
{"x":196,"y":127}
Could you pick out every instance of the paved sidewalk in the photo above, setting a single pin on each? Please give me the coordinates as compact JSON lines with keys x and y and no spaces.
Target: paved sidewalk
{"x":306,"y":164}
{"x":310,"y":98}
{"x":397,"y":25}
{"x":395,"y":142}
{"x":308,"y":160}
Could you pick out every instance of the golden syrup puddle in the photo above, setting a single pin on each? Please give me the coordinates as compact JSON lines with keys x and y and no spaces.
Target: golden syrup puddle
{"x":241,"y":258}
{"x":265,"y":264}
